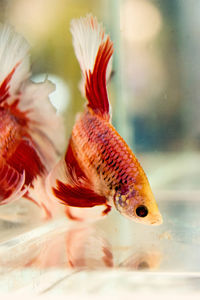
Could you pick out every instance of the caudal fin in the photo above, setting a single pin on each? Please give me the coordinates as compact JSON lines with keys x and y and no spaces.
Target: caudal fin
{"x":93,"y":49}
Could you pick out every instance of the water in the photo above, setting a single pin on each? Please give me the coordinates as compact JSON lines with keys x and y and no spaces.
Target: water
{"x":113,"y":254}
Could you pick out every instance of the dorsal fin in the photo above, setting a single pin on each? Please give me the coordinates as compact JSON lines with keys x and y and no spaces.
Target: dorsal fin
{"x":14,"y":59}
{"x":93,"y":50}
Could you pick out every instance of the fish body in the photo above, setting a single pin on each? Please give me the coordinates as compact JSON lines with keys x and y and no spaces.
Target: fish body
{"x":18,"y":149}
{"x":99,"y":169}
{"x":102,"y":152}
{"x":28,"y":125}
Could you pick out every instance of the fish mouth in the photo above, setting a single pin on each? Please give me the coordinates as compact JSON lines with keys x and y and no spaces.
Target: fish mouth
{"x":157,"y":220}
{"x":151,"y":219}
{"x":154,"y":220}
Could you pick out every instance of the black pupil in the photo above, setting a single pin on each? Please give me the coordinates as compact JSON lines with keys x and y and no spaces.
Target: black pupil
{"x":142,"y":211}
{"x":143,"y":265}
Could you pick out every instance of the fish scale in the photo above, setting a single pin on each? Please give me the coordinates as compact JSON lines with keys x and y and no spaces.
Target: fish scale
{"x":9,"y":133}
{"x":102,"y":150}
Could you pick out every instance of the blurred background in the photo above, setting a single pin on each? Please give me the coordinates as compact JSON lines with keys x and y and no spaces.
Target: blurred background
{"x":155,"y":88}
{"x":155,"y":97}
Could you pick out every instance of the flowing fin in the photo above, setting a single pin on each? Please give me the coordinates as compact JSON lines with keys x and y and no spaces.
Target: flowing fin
{"x":45,"y":126}
{"x":26,"y":100}
{"x":68,"y":183}
{"x":41,"y":131}
{"x":37,"y":194}
{"x":73,"y":166}
{"x":14,"y":59}
{"x":11,"y":184}
{"x":93,"y":50}
{"x":77,"y":196}
{"x":26,"y":158}
{"x":87,"y":213}
{"x":5,"y":85}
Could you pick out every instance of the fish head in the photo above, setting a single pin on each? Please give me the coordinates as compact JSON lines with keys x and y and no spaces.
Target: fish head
{"x":138,"y":203}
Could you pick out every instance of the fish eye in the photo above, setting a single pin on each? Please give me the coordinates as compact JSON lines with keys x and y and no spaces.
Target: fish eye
{"x":143,"y":265}
{"x":142,"y":211}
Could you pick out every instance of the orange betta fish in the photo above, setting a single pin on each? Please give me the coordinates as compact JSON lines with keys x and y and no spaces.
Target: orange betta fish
{"x":29,"y":126}
{"x":99,"y":169}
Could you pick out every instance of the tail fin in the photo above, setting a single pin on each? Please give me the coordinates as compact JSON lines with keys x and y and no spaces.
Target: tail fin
{"x":93,"y":49}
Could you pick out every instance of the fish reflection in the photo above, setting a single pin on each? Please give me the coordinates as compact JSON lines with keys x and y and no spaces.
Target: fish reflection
{"x":87,"y":249}
{"x":79,"y":247}
{"x":51,"y":255}
{"x":143,"y":260}
{"x":46,"y":254}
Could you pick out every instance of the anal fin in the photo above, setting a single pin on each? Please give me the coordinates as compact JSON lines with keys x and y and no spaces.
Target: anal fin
{"x":87,"y":213}
{"x":68,"y":183}
{"x":77,"y":196}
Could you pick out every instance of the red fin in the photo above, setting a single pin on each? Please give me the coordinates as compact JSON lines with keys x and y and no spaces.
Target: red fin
{"x":73,"y":187}
{"x":72,"y":164}
{"x":21,"y":116}
{"x":95,"y":86}
{"x":106,"y":210}
{"x":4,"y":88}
{"x":38,"y":195}
{"x":93,"y":49}
{"x":81,"y":214}
{"x":11,"y":184}
{"x":77,"y":196}
{"x":70,"y":215}
{"x":47,"y":212}
{"x":25,"y":158}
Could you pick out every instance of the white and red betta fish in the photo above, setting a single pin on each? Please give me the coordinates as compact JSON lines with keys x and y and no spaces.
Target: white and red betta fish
{"x":99,"y":169}
{"x":30,"y":130}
